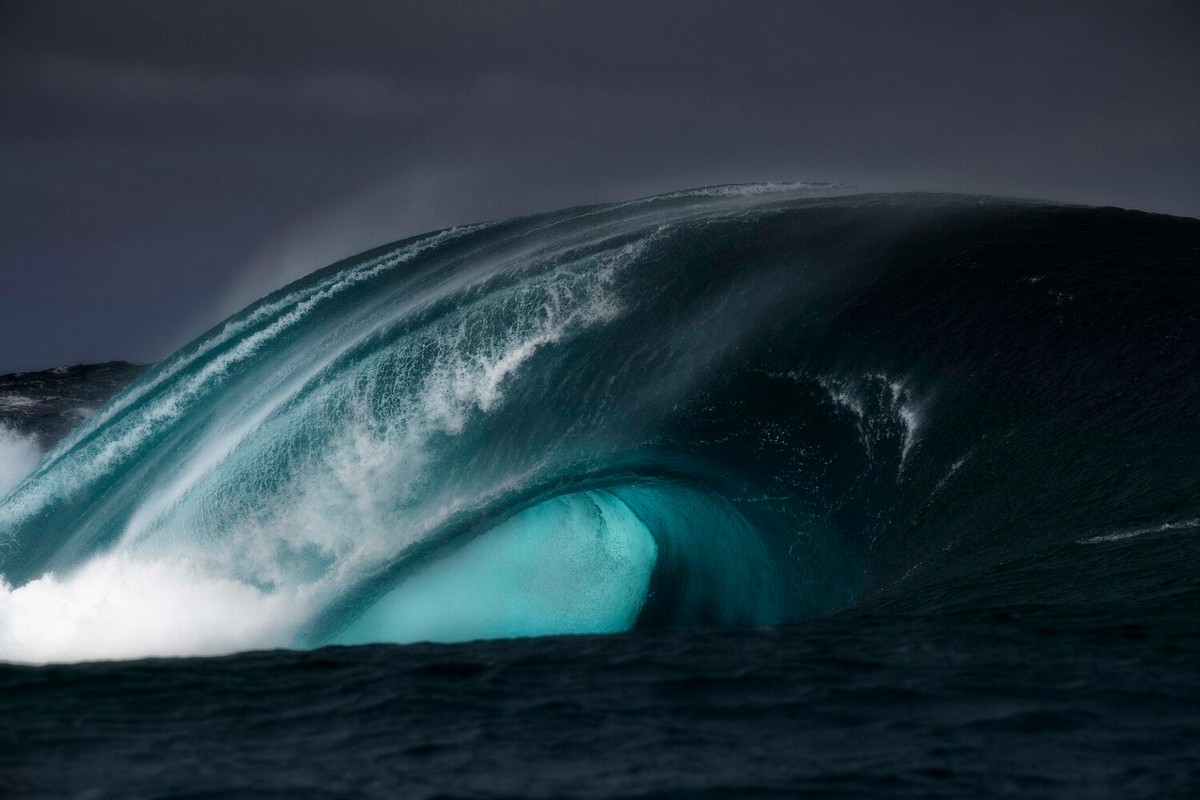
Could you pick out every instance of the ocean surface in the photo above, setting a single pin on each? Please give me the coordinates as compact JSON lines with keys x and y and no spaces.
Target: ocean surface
{"x":747,"y":491}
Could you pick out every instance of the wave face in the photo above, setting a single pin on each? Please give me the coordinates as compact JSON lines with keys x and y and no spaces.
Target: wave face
{"x":734,"y":406}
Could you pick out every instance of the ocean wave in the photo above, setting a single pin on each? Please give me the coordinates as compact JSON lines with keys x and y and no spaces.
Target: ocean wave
{"x":730,"y":406}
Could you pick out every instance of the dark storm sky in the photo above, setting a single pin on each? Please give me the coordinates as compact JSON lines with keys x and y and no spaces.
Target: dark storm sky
{"x":161,"y":163}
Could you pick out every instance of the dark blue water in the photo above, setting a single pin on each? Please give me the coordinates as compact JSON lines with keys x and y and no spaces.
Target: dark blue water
{"x":859,"y":706}
{"x":874,"y":495}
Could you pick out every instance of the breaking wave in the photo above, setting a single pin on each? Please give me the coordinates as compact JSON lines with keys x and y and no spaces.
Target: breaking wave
{"x":733,"y":406}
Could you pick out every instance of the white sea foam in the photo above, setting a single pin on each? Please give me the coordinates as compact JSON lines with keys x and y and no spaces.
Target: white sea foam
{"x":117,"y":606}
{"x":842,"y":397}
{"x":19,"y":454}
{"x":908,"y":412}
{"x":105,"y":456}
{"x":853,"y":394}
{"x":954,"y":468}
{"x":16,"y":402}
{"x":1166,"y":527}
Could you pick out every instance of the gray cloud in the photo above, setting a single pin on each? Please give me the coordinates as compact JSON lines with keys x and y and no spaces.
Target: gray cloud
{"x":355,"y":94}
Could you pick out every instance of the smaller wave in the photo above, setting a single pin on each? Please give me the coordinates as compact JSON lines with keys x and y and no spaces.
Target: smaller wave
{"x":1166,"y":527}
